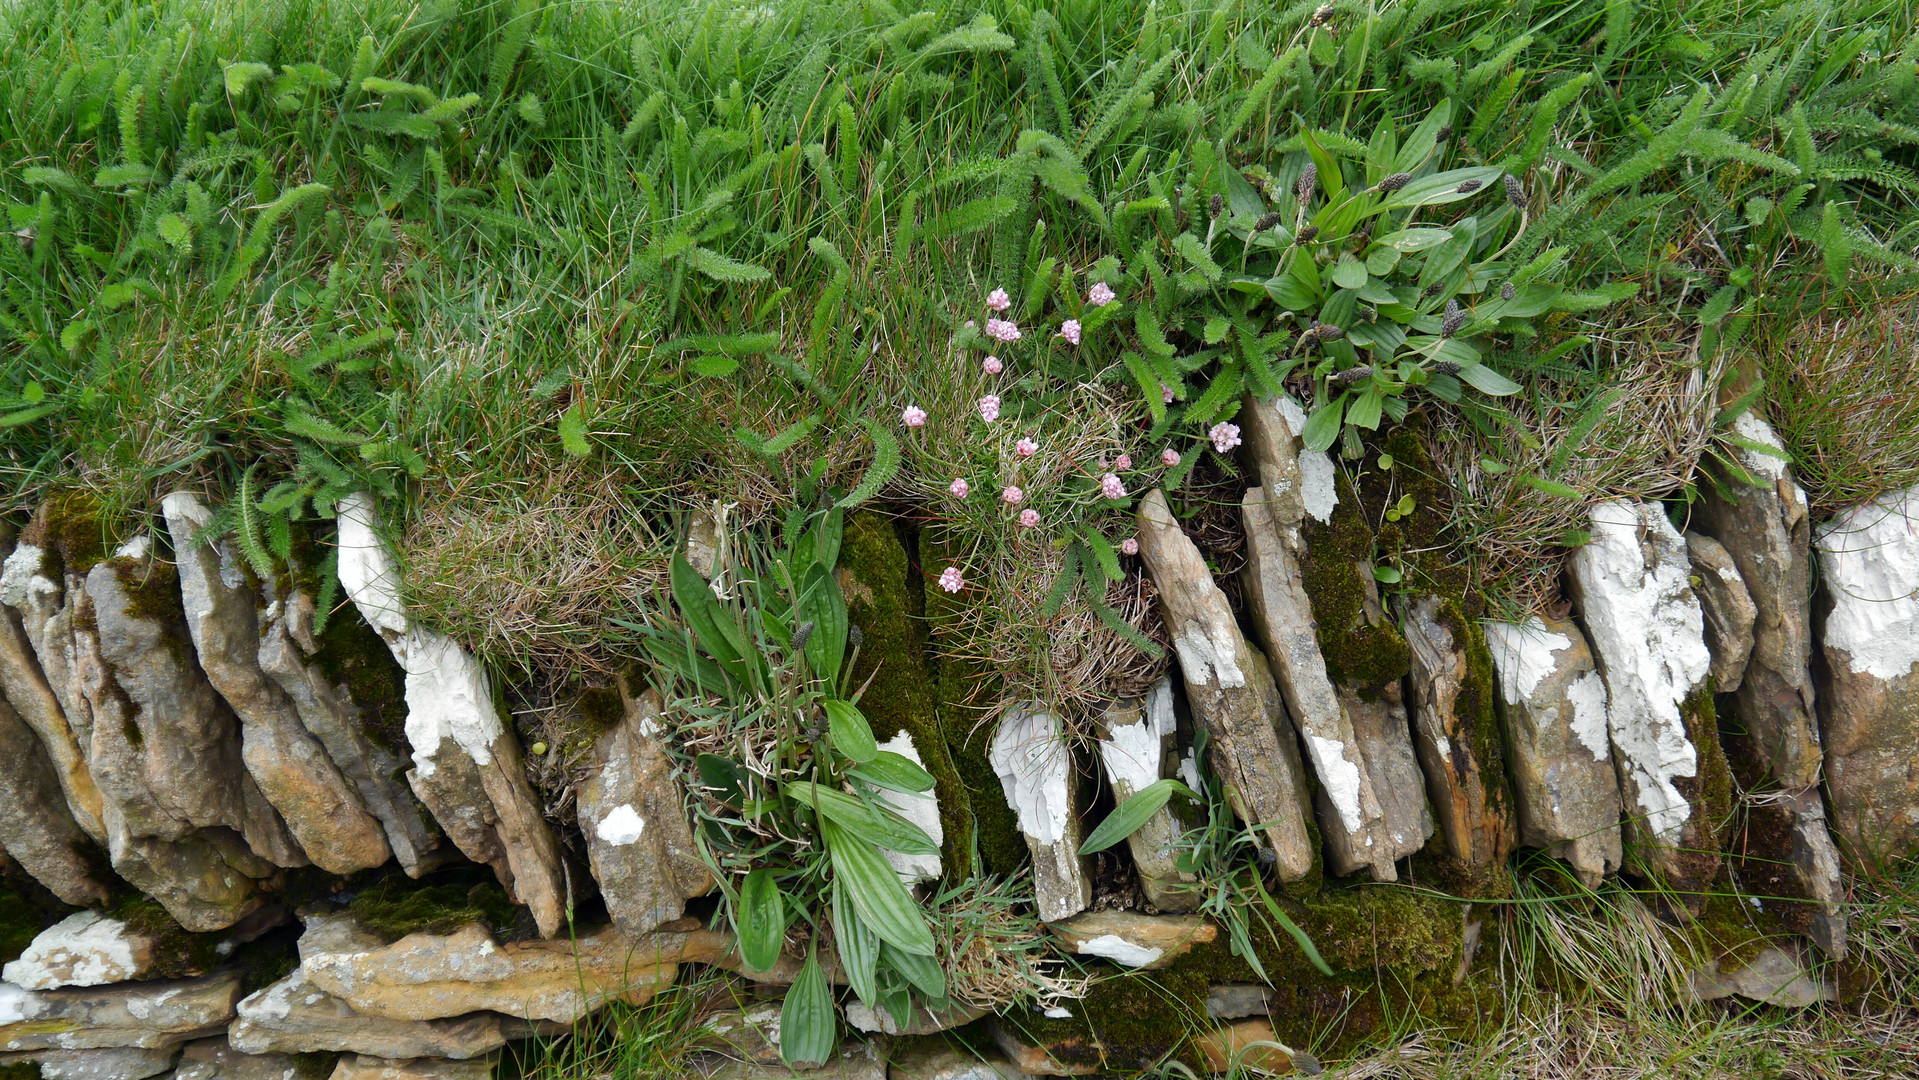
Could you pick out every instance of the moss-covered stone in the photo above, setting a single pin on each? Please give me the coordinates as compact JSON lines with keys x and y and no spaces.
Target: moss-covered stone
{"x":397,"y":907}
{"x":1709,"y":791}
{"x":177,"y":951}
{"x":68,"y":527}
{"x":895,"y":665}
{"x":1363,"y":653}
{"x":20,"y":1070}
{"x":354,"y":654}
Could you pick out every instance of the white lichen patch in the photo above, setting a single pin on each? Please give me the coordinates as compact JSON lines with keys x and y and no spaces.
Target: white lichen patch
{"x":622,"y":826}
{"x":1769,"y":464}
{"x":1119,"y":950}
{"x":366,"y":567}
{"x":1870,"y":563}
{"x":1035,"y":771}
{"x":920,"y":808}
{"x":84,"y":949}
{"x":1131,"y":754}
{"x":20,"y":575}
{"x":1648,"y":632}
{"x":1523,"y":654}
{"x":1338,"y":776}
{"x":17,"y":1004}
{"x":1209,"y":655}
{"x":447,"y":696}
{"x":1318,"y":480}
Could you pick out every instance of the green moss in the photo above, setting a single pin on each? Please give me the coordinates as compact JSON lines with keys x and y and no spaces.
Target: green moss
{"x":354,"y":654}
{"x":68,"y":527}
{"x":315,"y":1065}
{"x":1361,"y":654}
{"x":1709,"y":792}
{"x":20,"y":1070}
{"x":268,"y":958}
{"x":177,"y":952}
{"x":1728,"y":928}
{"x":601,"y":706}
{"x":395,"y":908}
{"x":26,"y":908}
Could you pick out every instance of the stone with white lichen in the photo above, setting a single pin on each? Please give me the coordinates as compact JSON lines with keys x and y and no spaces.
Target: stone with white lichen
{"x":1554,"y":705}
{"x":147,"y":1014}
{"x":1869,"y":694}
{"x":631,"y":811}
{"x":88,"y":948}
{"x":1630,"y":583}
{"x":1035,"y":769}
{"x":1458,"y":746}
{"x":922,"y":808}
{"x":1133,"y":939}
{"x":467,"y":767}
{"x":1728,"y":609}
{"x":1138,"y":746}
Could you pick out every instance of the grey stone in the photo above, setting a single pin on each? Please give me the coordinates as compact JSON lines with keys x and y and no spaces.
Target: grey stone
{"x":467,"y":767}
{"x":116,"y":1063}
{"x":1133,"y":939}
{"x":1138,"y":746}
{"x":937,"y":1061}
{"x":37,"y":828}
{"x":923,"y":1021}
{"x":1035,"y":768}
{"x":1230,"y":690}
{"x":1773,"y":977}
{"x":1869,"y":690}
{"x":1233,"y":1001}
{"x":153,"y":1015}
{"x":1469,"y":795}
{"x":748,"y":1034}
{"x":88,"y":948}
{"x":216,"y":1059}
{"x":632,"y":814}
{"x":293,"y":1016}
{"x":856,"y":1060}
{"x":37,"y":595}
{"x":363,"y":1067}
{"x":1554,"y":705}
{"x":1069,"y":1055}
{"x":1384,"y":734}
{"x":1728,"y":609}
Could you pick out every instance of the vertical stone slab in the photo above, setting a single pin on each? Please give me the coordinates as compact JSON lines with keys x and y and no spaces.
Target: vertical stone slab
{"x":467,"y":766}
{"x":632,"y":813}
{"x":1767,"y":533}
{"x":290,"y":766}
{"x":1138,"y":746}
{"x":1869,"y":693}
{"x":1564,"y":782}
{"x":1728,"y":609}
{"x":1230,"y":690}
{"x":24,"y":587}
{"x":36,"y":828}
{"x":1035,"y":770}
{"x":1630,"y":585}
{"x":1456,"y":735}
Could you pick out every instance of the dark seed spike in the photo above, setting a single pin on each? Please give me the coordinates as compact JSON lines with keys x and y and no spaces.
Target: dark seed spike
{"x":1270,"y":221}
{"x":1515,"y":191}
{"x":1454,"y":319}
{"x":1307,"y":234}
{"x":1446,"y":367}
{"x":1217,"y":205}
{"x":1507,"y":292}
{"x":1395,"y":182}
{"x":1467,"y":186}
{"x":1308,"y":184}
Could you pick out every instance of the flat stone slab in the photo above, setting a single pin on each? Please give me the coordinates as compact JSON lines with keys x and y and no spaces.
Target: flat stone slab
{"x":1133,"y":939}
{"x":362,"y":1067}
{"x":1773,"y":977}
{"x":86,"y":948}
{"x":293,"y":1016}
{"x":151,"y":1015}
{"x":216,"y":1059}
{"x":932,"y":1061}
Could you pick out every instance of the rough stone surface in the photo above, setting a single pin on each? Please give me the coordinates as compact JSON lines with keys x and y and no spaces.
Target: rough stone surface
{"x":216,"y":1059}
{"x":1233,"y":1001}
{"x":1230,"y":690}
{"x":206,"y":880}
{"x":467,"y":767}
{"x":1869,"y":689}
{"x":1352,"y":820}
{"x":27,"y":592}
{"x":1773,"y":977}
{"x":936,"y":1061}
{"x":749,"y":1034}
{"x":37,"y":827}
{"x":1554,"y":704}
{"x":1727,"y":607}
{"x":1768,"y":534}
{"x":924,"y":1021}
{"x":151,"y":1014}
{"x":857,"y":1060}
{"x":363,"y":1067}
{"x":1646,"y":629}
{"x":430,"y":976}
{"x":1066,"y":1058}
{"x":117,"y":1063}
{"x":1814,"y":860}
{"x":1248,"y":1047}
{"x":293,"y":1016}
{"x":1138,"y":746}
{"x":1384,"y":734}
{"x":1469,"y":794}
{"x":84,"y":949}
{"x":1035,"y":769}
{"x":290,"y":766}
{"x":920,"y":808}
{"x":1133,"y":939}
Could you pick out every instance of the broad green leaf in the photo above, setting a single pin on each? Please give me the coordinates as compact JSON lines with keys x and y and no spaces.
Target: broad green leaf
{"x":1487,"y":381}
{"x":1419,"y":145}
{"x":1350,"y":273}
{"x":1127,"y":817}
{"x":852,"y":735}
{"x":1380,"y":259}
{"x":760,"y":920}
{"x":883,"y":903}
{"x":1323,"y":426}
{"x":1288,"y":293}
{"x":1364,"y":411}
{"x":859,"y":949}
{"x":922,"y":971}
{"x":894,"y":772}
{"x":1411,"y":240}
{"x":875,"y":823}
{"x":809,"y":1023}
{"x":1386,"y":575}
{"x":573,"y":432}
{"x":1444,"y":187}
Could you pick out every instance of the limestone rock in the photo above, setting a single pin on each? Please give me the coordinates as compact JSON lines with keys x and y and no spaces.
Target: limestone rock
{"x":631,"y":811}
{"x":26,"y":590}
{"x":856,"y":1060}
{"x":1647,"y":631}
{"x":1773,"y":977}
{"x":1564,"y":782}
{"x":1456,"y":735}
{"x":1074,"y":1055}
{"x":1784,"y":853}
{"x":37,"y":828}
{"x":1138,"y":745}
{"x":153,"y":1015}
{"x":1249,"y":1048}
{"x":293,"y":1016}
{"x":467,"y":764}
{"x":1134,"y":939}
{"x":922,"y":808}
{"x":1728,"y":610}
{"x":116,"y":1063}
{"x":749,"y":1034}
{"x":1035,"y":770}
{"x":427,"y":976}
{"x":87,"y":949}
{"x":1230,"y":690}
{"x":363,"y":1067}
{"x":1869,"y":691}
{"x":924,"y":1021}
{"x":1298,"y":484}
{"x":216,"y":1059}
{"x":1767,"y":533}
{"x":937,"y":1061}
{"x":207,"y":880}
{"x":1233,"y":1001}
{"x":703,"y":539}
{"x":1384,"y":734}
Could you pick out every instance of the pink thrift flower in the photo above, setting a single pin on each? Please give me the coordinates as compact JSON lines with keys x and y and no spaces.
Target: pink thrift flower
{"x":1028,"y":518}
{"x":998,"y":301}
{"x":1026,"y":447}
{"x":950,"y":579}
{"x":1166,"y":394}
{"x":989,"y":408}
{"x":1169,"y":457}
{"x":1013,"y":495}
{"x":1001,"y":330}
{"x":959,"y":487}
{"x":1225,"y":436}
{"x":1123,"y":463}
{"x":914,"y":416}
{"x":1110,"y":487}
{"x":993,"y":366}
{"x":1129,"y":546}
{"x":1069,"y":330}
{"x":970,"y":324}
{"x":1100,"y":294}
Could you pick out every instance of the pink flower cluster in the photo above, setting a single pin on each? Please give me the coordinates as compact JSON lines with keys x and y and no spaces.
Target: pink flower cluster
{"x":1002,"y":331}
{"x":1129,"y":546}
{"x":989,"y":408}
{"x":914,"y":416}
{"x":959,"y":487}
{"x":998,"y":300}
{"x":1013,"y":496}
{"x":1110,"y":487}
{"x":1026,"y":448}
{"x":1070,"y":331}
{"x":950,"y":579}
{"x":1028,"y":518}
{"x":1225,"y":436}
{"x":993,"y":366}
{"x":1100,"y":295}
{"x":1169,"y":457}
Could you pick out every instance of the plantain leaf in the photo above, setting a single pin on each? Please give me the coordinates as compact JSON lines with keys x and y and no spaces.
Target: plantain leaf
{"x":859,"y":948}
{"x":876,"y":823}
{"x":852,"y":735}
{"x":922,"y":971}
{"x":809,"y":1024}
{"x":882,"y":902}
{"x":760,"y":920}
{"x":1127,"y":817}
{"x":894,"y":772}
